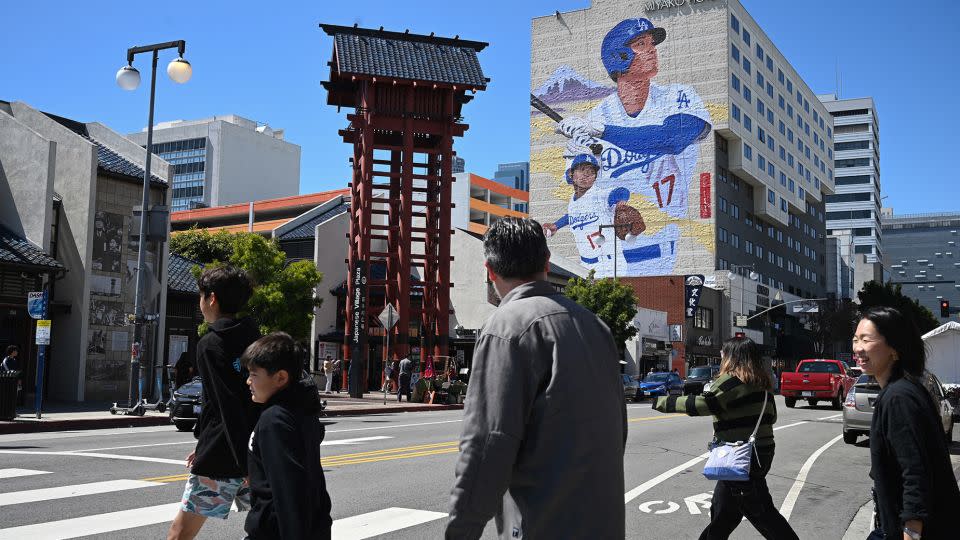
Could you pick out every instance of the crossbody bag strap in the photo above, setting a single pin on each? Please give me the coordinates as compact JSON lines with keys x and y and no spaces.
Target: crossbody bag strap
{"x":760,"y":419}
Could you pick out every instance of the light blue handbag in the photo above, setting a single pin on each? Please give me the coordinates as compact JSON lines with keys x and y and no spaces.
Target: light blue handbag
{"x":731,"y":461}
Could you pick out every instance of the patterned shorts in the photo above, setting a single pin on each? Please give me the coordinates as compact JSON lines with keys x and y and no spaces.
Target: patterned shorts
{"x":213,"y":498}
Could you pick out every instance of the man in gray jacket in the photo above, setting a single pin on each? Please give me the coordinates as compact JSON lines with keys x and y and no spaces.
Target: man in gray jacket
{"x":545,"y":420}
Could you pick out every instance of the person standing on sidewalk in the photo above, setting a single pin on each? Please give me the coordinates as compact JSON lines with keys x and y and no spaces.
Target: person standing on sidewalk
{"x":328,"y":374}
{"x":11,"y":362}
{"x":218,"y":465}
{"x":737,"y":400}
{"x":544,"y":427}
{"x":403,"y":381}
{"x":914,"y":486}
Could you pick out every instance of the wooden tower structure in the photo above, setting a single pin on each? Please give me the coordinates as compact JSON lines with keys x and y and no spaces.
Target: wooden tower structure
{"x":407,"y":92}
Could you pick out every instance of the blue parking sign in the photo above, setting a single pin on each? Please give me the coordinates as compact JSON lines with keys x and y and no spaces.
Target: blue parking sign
{"x":36,"y":304}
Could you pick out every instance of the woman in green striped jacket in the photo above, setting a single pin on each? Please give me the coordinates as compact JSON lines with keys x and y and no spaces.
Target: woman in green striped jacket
{"x":735,"y":401}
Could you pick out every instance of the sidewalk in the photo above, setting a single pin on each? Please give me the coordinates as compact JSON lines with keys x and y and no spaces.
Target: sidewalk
{"x":79,"y":416}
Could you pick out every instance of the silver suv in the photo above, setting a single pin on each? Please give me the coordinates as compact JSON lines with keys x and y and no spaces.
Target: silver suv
{"x":858,"y":407}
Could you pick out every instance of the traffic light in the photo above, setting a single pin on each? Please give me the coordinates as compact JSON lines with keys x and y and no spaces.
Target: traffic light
{"x":945,"y":308}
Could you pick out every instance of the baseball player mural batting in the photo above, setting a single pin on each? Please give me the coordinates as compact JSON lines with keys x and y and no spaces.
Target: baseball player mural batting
{"x":649,"y":137}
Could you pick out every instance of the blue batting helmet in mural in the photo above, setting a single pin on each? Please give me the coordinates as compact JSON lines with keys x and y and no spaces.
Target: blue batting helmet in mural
{"x":580,"y":159}
{"x":615,"y":50}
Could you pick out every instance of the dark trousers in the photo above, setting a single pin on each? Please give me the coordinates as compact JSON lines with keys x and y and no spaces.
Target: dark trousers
{"x":732,"y":501}
{"x":403,"y":387}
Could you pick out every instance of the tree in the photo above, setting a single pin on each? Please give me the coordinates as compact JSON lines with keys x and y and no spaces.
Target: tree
{"x":202,"y":246}
{"x":833,"y":324}
{"x":875,"y":294}
{"x":283,"y":295}
{"x":611,"y":301}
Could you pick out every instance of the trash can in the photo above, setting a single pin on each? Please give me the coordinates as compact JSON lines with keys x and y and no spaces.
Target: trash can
{"x":8,"y":394}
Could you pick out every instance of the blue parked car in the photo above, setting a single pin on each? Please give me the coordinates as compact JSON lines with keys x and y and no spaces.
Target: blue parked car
{"x":660,"y":384}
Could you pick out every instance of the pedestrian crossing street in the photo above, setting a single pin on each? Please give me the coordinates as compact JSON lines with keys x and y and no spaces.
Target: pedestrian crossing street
{"x":365,"y":525}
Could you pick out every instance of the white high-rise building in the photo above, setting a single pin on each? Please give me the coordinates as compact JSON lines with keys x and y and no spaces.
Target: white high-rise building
{"x":224,"y":160}
{"x":854,"y":210}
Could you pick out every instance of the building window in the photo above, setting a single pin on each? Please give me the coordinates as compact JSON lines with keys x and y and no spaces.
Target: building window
{"x":735,"y":53}
{"x":735,"y":240}
{"x":770,"y":140}
{"x":771,"y":197}
{"x":734,"y":24}
{"x":747,"y":94}
{"x":853,"y":145}
{"x":759,"y":51}
{"x":746,"y":65}
{"x":722,"y":204}
{"x":735,"y":211}
{"x":703,"y":318}
{"x":780,"y":75}
{"x":855,"y":162}
{"x":770,"y":116}
{"x":723,"y":235}
{"x":770,"y":64}
{"x":761,"y":162}
{"x":747,"y":151}
{"x":761,"y":108}
{"x":758,"y":249}
{"x":762,"y":135}
{"x":748,"y":246}
{"x":771,"y":170}
{"x":724,"y":264}
{"x":783,"y":204}
{"x":747,"y":122}
{"x":734,"y":82}
{"x":790,"y":110}
{"x":746,"y":37}
{"x":781,"y":128}
{"x":770,"y":90}
{"x":760,"y":80}
{"x":735,"y":112}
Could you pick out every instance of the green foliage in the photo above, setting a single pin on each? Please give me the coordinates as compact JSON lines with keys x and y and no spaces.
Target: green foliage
{"x":202,"y":246}
{"x":613,"y":302}
{"x":875,"y":294}
{"x":283,"y":295}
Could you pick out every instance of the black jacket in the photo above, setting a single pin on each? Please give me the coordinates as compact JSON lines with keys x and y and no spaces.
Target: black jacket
{"x":910,"y":463}
{"x":228,"y":413}
{"x":288,"y":492}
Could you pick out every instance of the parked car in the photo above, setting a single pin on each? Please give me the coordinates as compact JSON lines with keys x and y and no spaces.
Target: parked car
{"x":186,"y":405}
{"x":698,"y":377}
{"x":858,"y":407}
{"x":660,"y":384}
{"x":630,"y":387}
{"x":816,"y":380}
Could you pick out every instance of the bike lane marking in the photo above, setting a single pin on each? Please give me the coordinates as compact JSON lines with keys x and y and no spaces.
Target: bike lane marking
{"x":791,"y":499}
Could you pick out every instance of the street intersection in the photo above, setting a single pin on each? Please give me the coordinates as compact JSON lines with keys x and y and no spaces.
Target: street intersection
{"x":389,"y":476}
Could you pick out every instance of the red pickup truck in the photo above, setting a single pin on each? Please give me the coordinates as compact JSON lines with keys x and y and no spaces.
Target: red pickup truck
{"x":817,"y":380}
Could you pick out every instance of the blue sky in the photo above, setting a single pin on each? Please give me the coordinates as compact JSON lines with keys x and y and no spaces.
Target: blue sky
{"x":266,"y":63}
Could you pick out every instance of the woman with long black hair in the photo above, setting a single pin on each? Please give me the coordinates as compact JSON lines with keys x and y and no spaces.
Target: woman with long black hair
{"x":739,"y":400}
{"x":915,"y":489}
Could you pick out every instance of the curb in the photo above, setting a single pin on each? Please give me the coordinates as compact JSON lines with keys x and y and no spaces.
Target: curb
{"x":35,"y":426}
{"x":366,"y":411}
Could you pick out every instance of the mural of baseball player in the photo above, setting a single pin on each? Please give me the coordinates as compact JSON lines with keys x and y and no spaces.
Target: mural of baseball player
{"x":589,"y":208}
{"x":649,"y":135}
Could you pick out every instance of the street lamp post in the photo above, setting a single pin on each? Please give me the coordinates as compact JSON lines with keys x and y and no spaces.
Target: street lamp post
{"x":128,"y":78}
{"x":601,"y":239}
{"x":753,"y":276}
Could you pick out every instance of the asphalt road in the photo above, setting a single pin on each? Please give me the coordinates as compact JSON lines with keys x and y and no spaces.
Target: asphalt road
{"x":389,"y":476}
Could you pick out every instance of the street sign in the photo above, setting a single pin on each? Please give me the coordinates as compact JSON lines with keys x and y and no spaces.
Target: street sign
{"x":741,"y":321}
{"x":43,"y":332}
{"x":36,"y":304}
{"x":388,"y":317}
{"x":806,"y":308}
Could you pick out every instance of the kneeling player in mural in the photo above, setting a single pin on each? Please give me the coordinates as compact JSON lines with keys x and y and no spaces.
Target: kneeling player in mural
{"x":649,"y":135}
{"x":589,"y":208}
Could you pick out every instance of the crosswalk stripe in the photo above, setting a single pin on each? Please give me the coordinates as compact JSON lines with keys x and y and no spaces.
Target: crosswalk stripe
{"x":61,"y":492}
{"x":90,"y":525}
{"x":14,"y":473}
{"x":351,"y":528}
{"x":381,"y":522}
{"x":354,"y":441}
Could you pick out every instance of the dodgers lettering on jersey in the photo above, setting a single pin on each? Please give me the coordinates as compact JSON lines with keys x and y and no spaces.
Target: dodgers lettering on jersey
{"x":662,"y":177}
{"x":584,"y":216}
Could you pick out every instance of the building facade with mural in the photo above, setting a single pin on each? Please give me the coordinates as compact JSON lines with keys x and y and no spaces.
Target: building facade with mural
{"x":680,"y":127}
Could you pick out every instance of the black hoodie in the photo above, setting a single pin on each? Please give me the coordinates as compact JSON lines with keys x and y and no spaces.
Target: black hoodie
{"x":228,"y":413}
{"x":288,"y":493}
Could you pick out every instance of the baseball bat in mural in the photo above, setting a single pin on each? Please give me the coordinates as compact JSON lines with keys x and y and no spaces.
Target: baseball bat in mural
{"x":555,"y":116}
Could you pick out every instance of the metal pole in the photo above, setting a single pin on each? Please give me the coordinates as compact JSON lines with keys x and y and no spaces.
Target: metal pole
{"x":41,"y":357}
{"x":136,"y":350}
{"x":386,"y":356}
{"x":614,"y":253}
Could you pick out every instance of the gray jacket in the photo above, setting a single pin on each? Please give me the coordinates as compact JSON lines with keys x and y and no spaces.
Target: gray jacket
{"x":544,"y":425}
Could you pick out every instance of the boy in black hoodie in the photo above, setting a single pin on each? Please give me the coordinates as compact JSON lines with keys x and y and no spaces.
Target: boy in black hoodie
{"x":288,"y":491}
{"x":218,"y":465}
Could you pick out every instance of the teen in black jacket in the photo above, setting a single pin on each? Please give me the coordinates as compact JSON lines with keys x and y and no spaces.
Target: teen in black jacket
{"x":916,"y":493}
{"x":228,"y":415}
{"x":288,"y":491}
